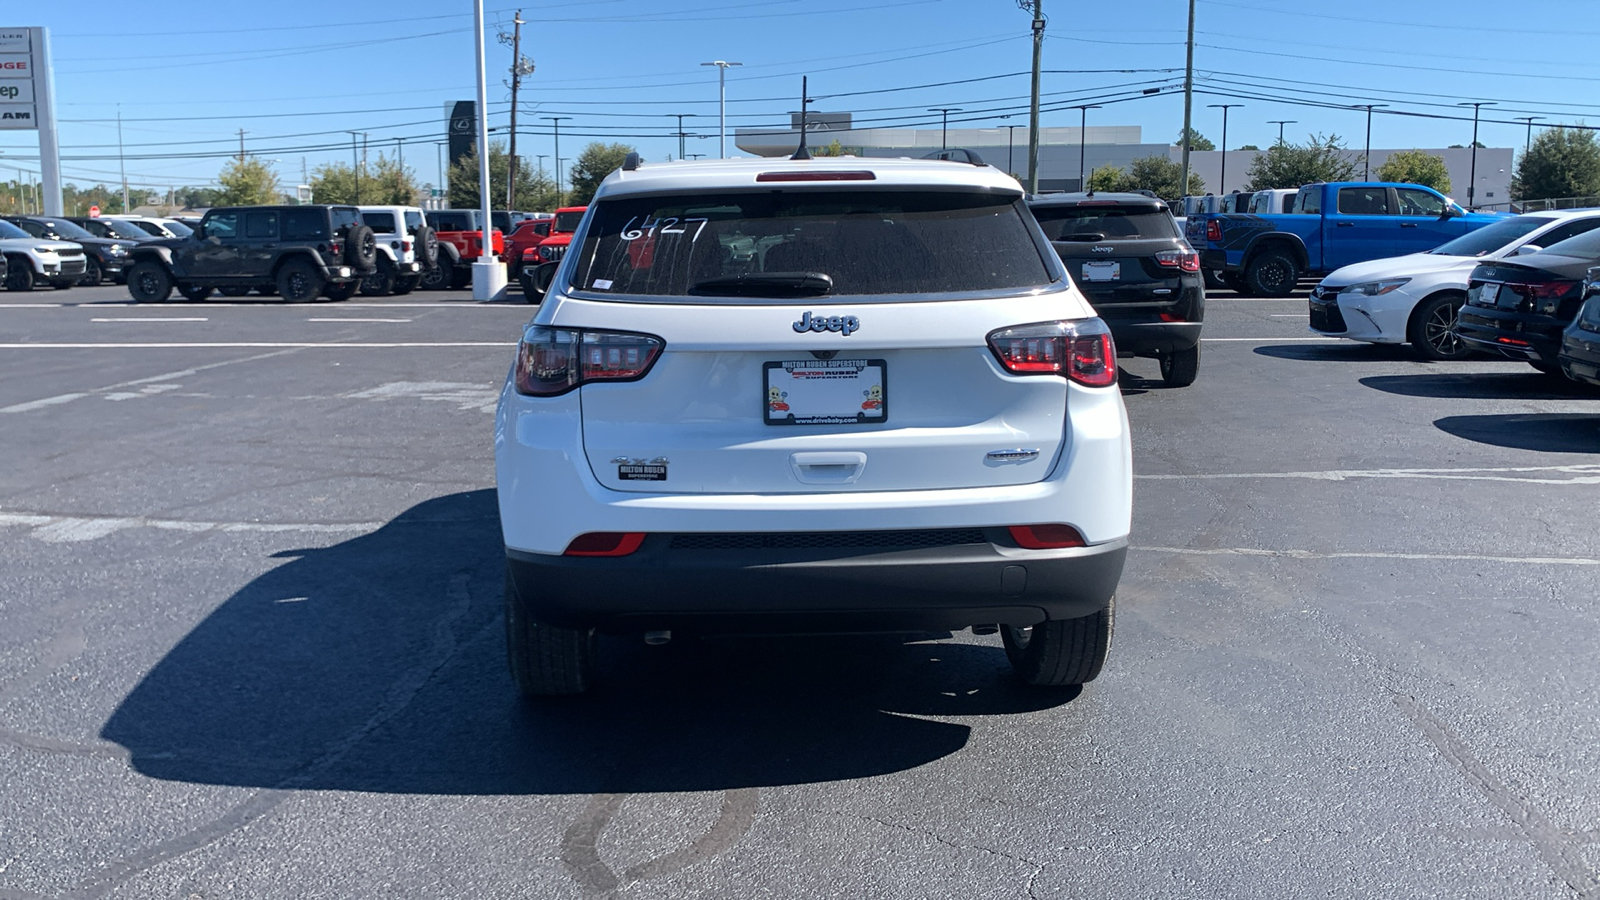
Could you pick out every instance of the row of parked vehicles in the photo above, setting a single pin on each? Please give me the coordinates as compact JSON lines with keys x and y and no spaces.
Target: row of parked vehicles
{"x":63,"y":251}
{"x":1404,"y":264}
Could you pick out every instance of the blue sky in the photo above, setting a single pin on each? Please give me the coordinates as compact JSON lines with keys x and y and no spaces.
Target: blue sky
{"x":297,"y":75}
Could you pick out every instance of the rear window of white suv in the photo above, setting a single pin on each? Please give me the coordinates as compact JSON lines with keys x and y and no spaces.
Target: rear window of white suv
{"x":738,"y":245}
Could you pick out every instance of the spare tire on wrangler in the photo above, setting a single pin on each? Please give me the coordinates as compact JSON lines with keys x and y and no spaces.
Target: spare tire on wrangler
{"x":427,"y":241}
{"x":360,"y":247}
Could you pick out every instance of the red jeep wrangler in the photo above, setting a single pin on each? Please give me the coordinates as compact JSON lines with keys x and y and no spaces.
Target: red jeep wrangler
{"x":551,"y":248}
{"x":460,"y":234}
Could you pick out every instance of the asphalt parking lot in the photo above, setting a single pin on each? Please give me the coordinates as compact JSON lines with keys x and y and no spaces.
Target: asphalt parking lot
{"x":252,"y":644}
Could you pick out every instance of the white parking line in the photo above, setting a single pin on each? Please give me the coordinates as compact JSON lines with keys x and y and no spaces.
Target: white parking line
{"x":59,"y":529}
{"x":358,"y":320}
{"x":1583,"y":473}
{"x":112,"y":391}
{"x":154,"y":319}
{"x":1377,"y":554}
{"x":260,"y":344}
{"x":1287,"y":315}
{"x":1267,"y":340}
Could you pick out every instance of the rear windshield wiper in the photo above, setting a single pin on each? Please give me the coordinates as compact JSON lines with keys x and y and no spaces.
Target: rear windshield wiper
{"x":764,"y":284}
{"x":1083,"y":237}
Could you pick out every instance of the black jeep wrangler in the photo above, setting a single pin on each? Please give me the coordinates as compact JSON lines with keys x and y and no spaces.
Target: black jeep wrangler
{"x":301,"y":252}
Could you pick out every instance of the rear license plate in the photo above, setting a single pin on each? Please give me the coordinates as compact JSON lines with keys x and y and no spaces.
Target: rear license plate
{"x":1102,"y":271}
{"x":1483,"y":294}
{"x":825,"y":392}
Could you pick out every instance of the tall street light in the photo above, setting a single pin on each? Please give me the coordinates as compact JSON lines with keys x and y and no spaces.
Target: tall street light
{"x":722,"y":93}
{"x":1530,"y":120}
{"x":1472,"y":177}
{"x":1083,"y":130}
{"x":1222,"y":180}
{"x":1280,"y":123}
{"x":944,"y":127}
{"x":1366,"y":155}
{"x":556,"y":121}
{"x":355,"y":161}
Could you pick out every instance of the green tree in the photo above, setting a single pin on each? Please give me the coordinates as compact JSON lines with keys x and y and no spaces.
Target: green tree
{"x":1561,"y":162}
{"x":1248,"y":147}
{"x":1161,"y":176}
{"x":247,"y":182}
{"x":1287,"y":165}
{"x":383,"y":182}
{"x":196,"y":197}
{"x":535,"y":192}
{"x":833,"y":149}
{"x":1416,"y":167}
{"x":595,"y":162}
{"x":1197,"y":141}
{"x":1106,"y":179}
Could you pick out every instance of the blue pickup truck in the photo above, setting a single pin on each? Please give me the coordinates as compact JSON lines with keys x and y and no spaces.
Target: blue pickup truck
{"x":1329,"y":225}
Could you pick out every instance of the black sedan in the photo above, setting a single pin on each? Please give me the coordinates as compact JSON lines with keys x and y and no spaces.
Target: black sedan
{"x":1580,"y":343}
{"x":1518,"y":308}
{"x":105,"y":257}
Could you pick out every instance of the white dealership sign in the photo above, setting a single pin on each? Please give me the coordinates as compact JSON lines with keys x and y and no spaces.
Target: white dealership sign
{"x":27,"y":102}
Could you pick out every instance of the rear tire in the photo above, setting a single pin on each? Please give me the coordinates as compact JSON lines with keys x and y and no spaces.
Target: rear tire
{"x":1432,"y":329}
{"x":1181,"y":367}
{"x":92,"y":273}
{"x":379,"y":283}
{"x":299,"y":281}
{"x":234,"y":291}
{"x":545,"y":660}
{"x":149,"y":282}
{"x":341,"y":292}
{"x":439,"y":277}
{"x":1273,"y":273}
{"x":1213,"y":278}
{"x":1235,"y":282}
{"x":1061,"y":652}
{"x":406,"y":284}
{"x":194,"y":293}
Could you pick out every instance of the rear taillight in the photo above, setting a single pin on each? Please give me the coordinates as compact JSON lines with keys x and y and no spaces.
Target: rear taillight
{"x":405,"y":246}
{"x":336,"y":247}
{"x":1545,"y":297}
{"x":1213,"y":230}
{"x":1046,"y":537}
{"x":605,"y":543}
{"x":553,"y":361}
{"x":1183,"y":260}
{"x":1080,"y":350}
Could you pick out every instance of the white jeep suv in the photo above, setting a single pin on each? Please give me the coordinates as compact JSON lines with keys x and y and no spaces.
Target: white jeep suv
{"x":811,"y":395}
{"x":407,"y":247}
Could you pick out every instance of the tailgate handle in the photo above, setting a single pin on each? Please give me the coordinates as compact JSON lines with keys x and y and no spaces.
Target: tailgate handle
{"x":828,"y":467}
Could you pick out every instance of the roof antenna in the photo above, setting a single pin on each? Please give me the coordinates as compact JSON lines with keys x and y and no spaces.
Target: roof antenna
{"x":803,"y":153}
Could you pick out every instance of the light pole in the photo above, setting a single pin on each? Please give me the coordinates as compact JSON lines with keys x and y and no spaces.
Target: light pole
{"x":1366,"y":155}
{"x":488,"y":272}
{"x":722,"y":93}
{"x":1222,"y":180}
{"x":1530,"y":120}
{"x":1011,"y":168}
{"x":556,"y":122}
{"x":1083,"y":130}
{"x":1280,"y":123}
{"x":1472,"y":177}
{"x":355,"y":161}
{"x":541,"y":157}
{"x":944,"y":127}
{"x":444,"y":192}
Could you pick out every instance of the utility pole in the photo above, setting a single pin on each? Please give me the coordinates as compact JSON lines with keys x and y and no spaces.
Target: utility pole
{"x":122,"y":165}
{"x":722,"y":92}
{"x":1033,"y":103}
{"x":1472,"y":179}
{"x":944,"y":126}
{"x":1280,"y":123}
{"x":241,"y":136}
{"x":1188,"y":99}
{"x":555,"y":121}
{"x":1083,"y":129}
{"x":1366,"y":155}
{"x":355,"y":162}
{"x":520,"y":66}
{"x":400,"y":173}
{"x":680,"y":117}
{"x":1011,"y":167}
{"x":1530,"y":120}
{"x":1222,"y":180}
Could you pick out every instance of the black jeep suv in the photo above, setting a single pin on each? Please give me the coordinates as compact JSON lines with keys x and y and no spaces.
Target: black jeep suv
{"x":1125,"y":254}
{"x":300,"y":251}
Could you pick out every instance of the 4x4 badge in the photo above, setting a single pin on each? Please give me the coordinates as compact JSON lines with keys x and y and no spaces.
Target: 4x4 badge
{"x":845,"y":325}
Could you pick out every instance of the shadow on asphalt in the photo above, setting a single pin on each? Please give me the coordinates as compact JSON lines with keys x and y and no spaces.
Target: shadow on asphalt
{"x":1483,"y":386}
{"x":1351,"y":351}
{"x":378,"y":665}
{"x":1548,"y":432}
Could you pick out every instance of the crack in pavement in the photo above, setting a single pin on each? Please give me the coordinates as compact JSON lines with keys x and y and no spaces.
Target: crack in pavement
{"x":1038,"y":867}
{"x":1561,"y":850}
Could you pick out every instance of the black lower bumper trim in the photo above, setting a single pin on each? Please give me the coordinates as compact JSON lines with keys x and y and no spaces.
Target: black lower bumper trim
{"x":817,"y":589}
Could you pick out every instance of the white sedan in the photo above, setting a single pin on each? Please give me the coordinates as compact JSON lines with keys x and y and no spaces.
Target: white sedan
{"x":1415,"y":298}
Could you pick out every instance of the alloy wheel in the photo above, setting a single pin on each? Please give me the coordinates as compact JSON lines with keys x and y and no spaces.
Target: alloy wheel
{"x":1440,"y":331}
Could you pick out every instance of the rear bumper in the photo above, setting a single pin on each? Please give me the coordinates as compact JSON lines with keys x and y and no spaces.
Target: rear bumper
{"x":1149,"y":336}
{"x":832,"y":589}
{"x":1512,"y":335}
{"x":1580,"y":356}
